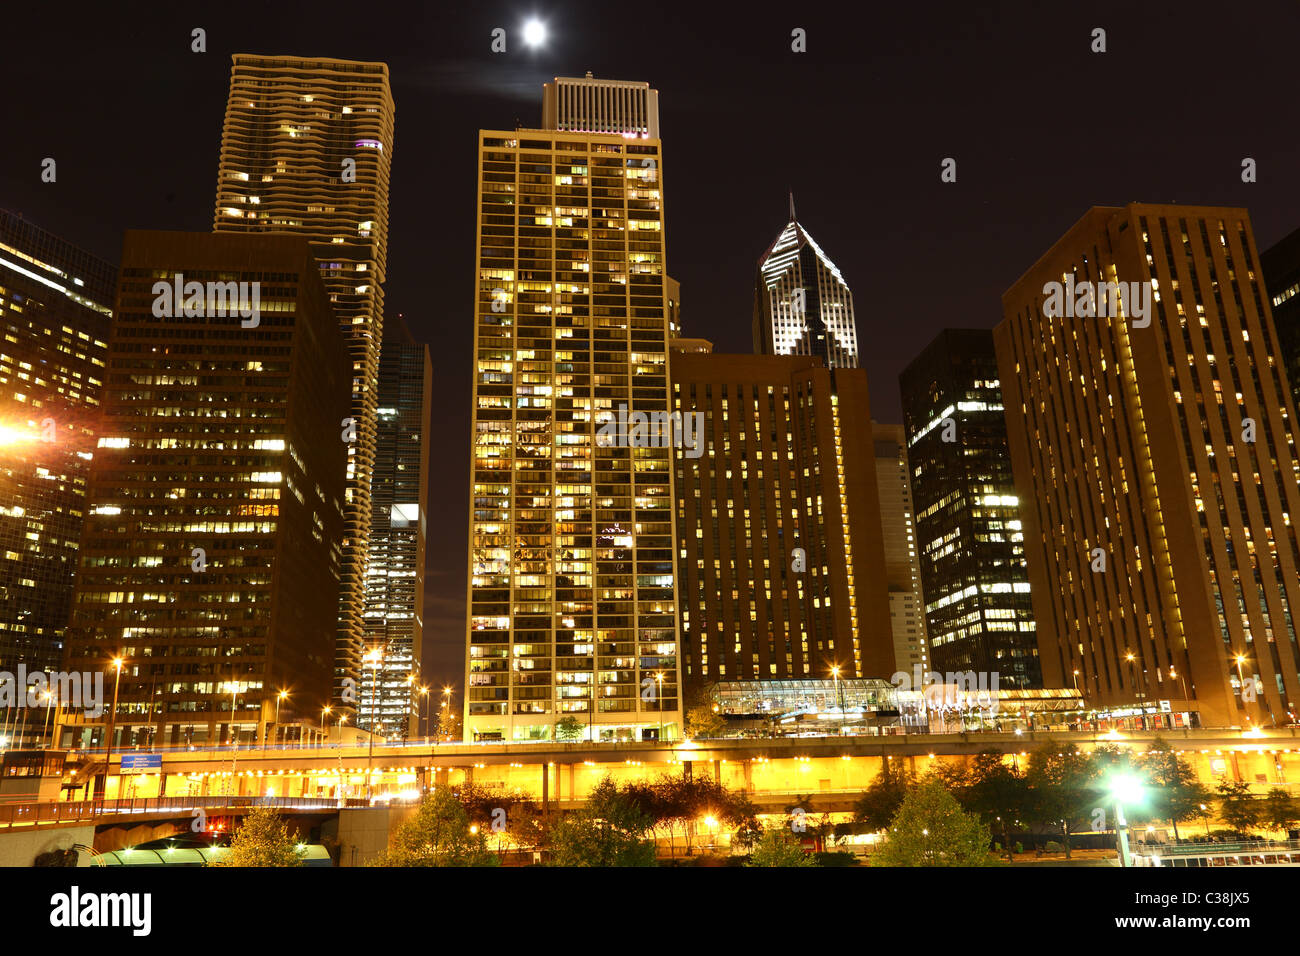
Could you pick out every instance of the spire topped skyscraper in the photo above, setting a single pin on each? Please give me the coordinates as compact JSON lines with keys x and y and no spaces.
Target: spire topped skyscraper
{"x":802,"y":305}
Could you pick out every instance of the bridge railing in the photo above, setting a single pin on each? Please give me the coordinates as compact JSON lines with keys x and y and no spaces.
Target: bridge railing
{"x":53,"y":812}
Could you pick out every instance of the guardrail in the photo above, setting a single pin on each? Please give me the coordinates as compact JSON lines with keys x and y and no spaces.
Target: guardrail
{"x":85,"y":811}
{"x":1216,"y":849}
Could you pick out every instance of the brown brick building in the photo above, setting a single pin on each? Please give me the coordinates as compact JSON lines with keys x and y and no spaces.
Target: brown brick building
{"x":788,"y":463}
{"x":1154,"y":449}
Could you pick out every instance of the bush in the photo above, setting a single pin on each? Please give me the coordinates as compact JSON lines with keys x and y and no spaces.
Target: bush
{"x":66,"y":857}
{"x":1053,"y":847}
{"x":835,"y":858}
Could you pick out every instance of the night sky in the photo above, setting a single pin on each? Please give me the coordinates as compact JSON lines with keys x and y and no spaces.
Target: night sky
{"x":856,"y":127}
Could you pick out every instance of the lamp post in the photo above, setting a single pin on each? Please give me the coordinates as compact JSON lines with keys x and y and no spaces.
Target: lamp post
{"x":374,"y":658}
{"x":424,"y":711}
{"x":1076,"y":680}
{"x":1124,"y":789}
{"x":659,"y":702}
{"x":282,"y":695}
{"x":1174,"y":673}
{"x":446,"y":703}
{"x":324,"y":726}
{"x":112,"y":723}
{"x":1241,"y":683}
{"x":410,"y":691}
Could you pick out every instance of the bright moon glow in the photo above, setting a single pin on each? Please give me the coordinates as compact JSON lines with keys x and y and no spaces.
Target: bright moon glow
{"x":534,"y":33}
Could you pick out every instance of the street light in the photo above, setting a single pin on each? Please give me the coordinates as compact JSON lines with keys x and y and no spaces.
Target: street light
{"x":282,"y":695}
{"x":324,"y":726}
{"x":1124,"y":789}
{"x":1174,"y":673}
{"x":1241,"y":682}
{"x":659,"y":700}
{"x":373,"y":658}
{"x":1076,"y":680}
{"x":116,"y":663}
{"x":839,"y":693}
{"x":424,"y":711}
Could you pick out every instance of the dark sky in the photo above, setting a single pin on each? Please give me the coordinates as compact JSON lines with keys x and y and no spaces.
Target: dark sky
{"x":1041,"y":129}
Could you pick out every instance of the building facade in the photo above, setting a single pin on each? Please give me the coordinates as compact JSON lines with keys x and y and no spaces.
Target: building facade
{"x":779,"y":542}
{"x":802,"y":305}
{"x":1282,"y":277}
{"x":898,"y":536}
{"x":307,"y":149}
{"x":570,"y":593}
{"x":1155,"y":448}
{"x":210,"y":555}
{"x":979,"y":611}
{"x":55,"y":312}
{"x":394,"y":614}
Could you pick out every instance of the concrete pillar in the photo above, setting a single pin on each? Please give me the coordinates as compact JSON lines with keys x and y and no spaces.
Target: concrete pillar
{"x":546,"y":790}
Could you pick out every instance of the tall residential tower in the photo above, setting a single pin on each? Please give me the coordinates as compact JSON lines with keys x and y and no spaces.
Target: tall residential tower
{"x":571,"y":597}
{"x":306,"y":148}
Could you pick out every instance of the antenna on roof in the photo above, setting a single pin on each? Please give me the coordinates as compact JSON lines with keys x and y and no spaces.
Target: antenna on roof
{"x":792,"y":219}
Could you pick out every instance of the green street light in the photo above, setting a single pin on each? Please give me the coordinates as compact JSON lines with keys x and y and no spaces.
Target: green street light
{"x":1125,"y":789}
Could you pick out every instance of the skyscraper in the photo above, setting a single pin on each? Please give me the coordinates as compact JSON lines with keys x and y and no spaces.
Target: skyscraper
{"x":306,"y":148}
{"x":1154,"y":443}
{"x":1282,"y":275}
{"x":898,"y":531}
{"x":394,"y":613}
{"x":802,"y":305}
{"x":209,"y":559}
{"x":978,"y":611}
{"x":571,"y":599}
{"x":779,"y":544}
{"x":55,"y":313}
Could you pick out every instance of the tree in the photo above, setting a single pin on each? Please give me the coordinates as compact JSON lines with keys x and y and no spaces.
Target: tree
{"x":881,"y":800}
{"x":568,"y":727}
{"x":997,"y":793}
{"x":1062,"y":782}
{"x":1177,"y":795}
{"x":1237,"y":807}
{"x":702,"y":720}
{"x":777,"y":846}
{"x":931,"y":829}
{"x":262,"y":839}
{"x":1279,"y":810}
{"x":439,"y":834}
{"x":610,"y":831}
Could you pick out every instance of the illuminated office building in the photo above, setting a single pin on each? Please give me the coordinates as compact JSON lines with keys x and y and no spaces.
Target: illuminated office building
{"x":571,"y":599}
{"x":802,"y":305}
{"x":1153,"y":441}
{"x":898,"y":535}
{"x":978,"y":610}
{"x":307,"y":148}
{"x":210,"y":553}
{"x":55,"y":313}
{"x":1281,"y":266}
{"x":394,"y":613}
{"x":779,"y":541}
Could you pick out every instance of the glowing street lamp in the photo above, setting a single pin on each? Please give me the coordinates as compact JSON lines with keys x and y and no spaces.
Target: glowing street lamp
{"x":1124,"y":789}
{"x":116,"y":663}
{"x":659,"y":706}
{"x":279,"y":697}
{"x":324,"y":725}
